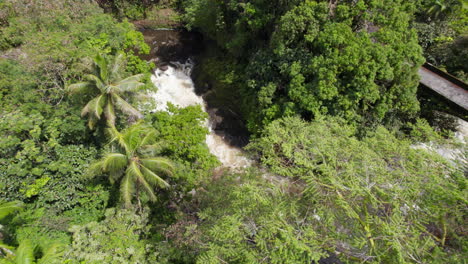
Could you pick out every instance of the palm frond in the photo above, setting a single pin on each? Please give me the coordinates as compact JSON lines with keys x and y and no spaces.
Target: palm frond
{"x":99,"y":106}
{"x":7,"y":208}
{"x":101,"y":63}
{"x":25,"y":253}
{"x":147,"y":187}
{"x":116,"y":66}
{"x":113,"y":162}
{"x":133,"y":78}
{"x":133,"y":135}
{"x":97,"y":82}
{"x":80,"y":87}
{"x":95,"y":169}
{"x":134,"y":170}
{"x":125,"y":107}
{"x":114,"y":176}
{"x":6,"y":250}
{"x":151,"y":150}
{"x":154,"y":178}
{"x":128,"y":86}
{"x":118,"y":137}
{"x":85,"y":64}
{"x":92,"y":120}
{"x":89,"y":106}
{"x":109,"y":113}
{"x":159,"y":164}
{"x":149,"y":138}
{"x":53,"y":254}
{"x":127,"y":189}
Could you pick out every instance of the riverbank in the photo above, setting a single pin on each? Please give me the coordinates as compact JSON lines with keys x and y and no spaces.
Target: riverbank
{"x":175,"y":53}
{"x":158,"y":18}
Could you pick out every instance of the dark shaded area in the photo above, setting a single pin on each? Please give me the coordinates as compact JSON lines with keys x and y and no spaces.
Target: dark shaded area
{"x":171,"y":45}
{"x":179,"y":45}
{"x":229,"y":125}
{"x":433,"y":107}
{"x":331,"y":259}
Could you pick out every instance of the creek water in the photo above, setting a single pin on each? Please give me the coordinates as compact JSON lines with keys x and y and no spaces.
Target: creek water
{"x":176,"y":86}
{"x":173,"y":51}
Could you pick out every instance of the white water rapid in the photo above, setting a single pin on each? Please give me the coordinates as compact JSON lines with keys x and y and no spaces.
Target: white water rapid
{"x":176,"y":86}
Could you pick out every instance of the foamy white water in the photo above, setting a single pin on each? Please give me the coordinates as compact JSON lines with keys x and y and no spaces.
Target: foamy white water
{"x":175,"y":86}
{"x":454,"y":153}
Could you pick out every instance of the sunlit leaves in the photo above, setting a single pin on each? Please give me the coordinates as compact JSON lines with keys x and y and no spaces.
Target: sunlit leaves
{"x":378,"y":195}
{"x":131,"y":165}
{"x":110,"y":90}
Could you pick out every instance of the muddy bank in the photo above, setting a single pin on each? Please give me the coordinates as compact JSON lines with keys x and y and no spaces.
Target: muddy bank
{"x":158,"y":17}
{"x":171,"y":45}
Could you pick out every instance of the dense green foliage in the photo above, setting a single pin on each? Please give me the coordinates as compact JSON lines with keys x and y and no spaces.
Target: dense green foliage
{"x":375,"y":200}
{"x":134,"y":9}
{"x":442,"y":27}
{"x":328,"y":89}
{"x":45,"y":145}
{"x":116,"y":239}
{"x":7,"y":208}
{"x":245,"y":219}
{"x":357,"y":60}
{"x":26,"y":253}
{"x":182,"y":135}
{"x":376,"y":197}
{"x":41,"y":147}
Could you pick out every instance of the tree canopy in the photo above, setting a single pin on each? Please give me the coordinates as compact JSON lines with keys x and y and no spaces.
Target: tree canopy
{"x":357,"y":60}
{"x":343,"y":166}
{"x":106,"y":82}
{"x":133,"y":163}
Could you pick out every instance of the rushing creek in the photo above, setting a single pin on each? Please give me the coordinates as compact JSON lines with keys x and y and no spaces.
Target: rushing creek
{"x":172,"y":51}
{"x":176,"y":86}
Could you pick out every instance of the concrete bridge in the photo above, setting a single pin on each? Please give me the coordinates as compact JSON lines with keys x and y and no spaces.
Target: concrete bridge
{"x":444,"y":84}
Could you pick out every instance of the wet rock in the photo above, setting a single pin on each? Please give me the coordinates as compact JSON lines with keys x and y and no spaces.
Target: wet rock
{"x":172,"y":45}
{"x":215,"y":119}
{"x":331,"y":259}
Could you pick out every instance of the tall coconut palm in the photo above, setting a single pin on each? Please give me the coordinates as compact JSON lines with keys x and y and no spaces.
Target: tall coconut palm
{"x":132,"y":162}
{"x":109,"y":89}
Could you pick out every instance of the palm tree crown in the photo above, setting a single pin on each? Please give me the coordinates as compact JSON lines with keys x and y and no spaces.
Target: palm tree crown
{"x":134,"y":164}
{"x":26,"y":254}
{"x":105,"y":82}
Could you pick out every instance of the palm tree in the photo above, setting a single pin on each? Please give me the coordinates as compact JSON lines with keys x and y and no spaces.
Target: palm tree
{"x":109,"y":89}
{"x":442,"y":8}
{"x":7,"y":208}
{"x":132,"y":161}
{"x":24,"y":254}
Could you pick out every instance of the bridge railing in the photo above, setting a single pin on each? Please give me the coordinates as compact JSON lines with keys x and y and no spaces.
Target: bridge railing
{"x":446,"y":76}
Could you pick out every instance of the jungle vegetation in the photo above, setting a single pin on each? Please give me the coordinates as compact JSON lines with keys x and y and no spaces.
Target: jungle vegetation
{"x":327,"y":89}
